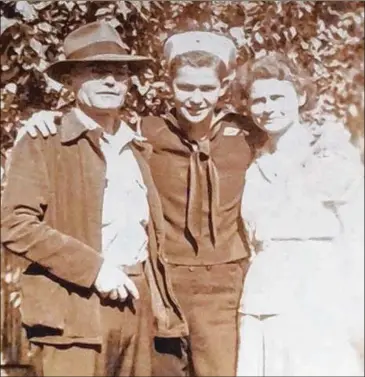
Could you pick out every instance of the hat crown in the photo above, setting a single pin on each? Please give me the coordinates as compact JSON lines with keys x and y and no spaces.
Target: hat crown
{"x":96,"y":42}
{"x":90,"y":34}
{"x":215,"y":44}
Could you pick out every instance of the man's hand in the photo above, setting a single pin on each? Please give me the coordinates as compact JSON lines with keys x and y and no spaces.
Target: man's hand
{"x":114,"y":283}
{"x":43,"y":122}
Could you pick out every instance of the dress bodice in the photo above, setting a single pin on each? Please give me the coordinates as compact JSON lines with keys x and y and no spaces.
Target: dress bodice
{"x":290,"y":207}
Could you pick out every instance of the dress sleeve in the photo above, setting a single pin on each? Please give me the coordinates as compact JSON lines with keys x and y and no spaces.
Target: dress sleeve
{"x":248,"y":210}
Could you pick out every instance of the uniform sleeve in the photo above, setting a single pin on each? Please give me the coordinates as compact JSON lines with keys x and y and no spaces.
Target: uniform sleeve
{"x":23,"y":229}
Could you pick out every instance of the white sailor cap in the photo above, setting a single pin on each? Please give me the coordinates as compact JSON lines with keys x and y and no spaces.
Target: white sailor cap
{"x":215,"y":44}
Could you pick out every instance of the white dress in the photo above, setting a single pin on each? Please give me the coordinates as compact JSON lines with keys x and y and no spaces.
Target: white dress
{"x":351,"y":214}
{"x":291,"y":322}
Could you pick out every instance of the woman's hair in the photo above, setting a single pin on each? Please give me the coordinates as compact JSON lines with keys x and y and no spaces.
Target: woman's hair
{"x":199,"y":59}
{"x":275,"y":66}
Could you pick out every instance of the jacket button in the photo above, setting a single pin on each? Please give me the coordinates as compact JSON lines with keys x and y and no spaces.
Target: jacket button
{"x":191,"y":268}
{"x":208,"y":268}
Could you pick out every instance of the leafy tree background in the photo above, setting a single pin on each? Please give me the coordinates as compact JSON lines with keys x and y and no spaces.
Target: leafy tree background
{"x":326,"y":37}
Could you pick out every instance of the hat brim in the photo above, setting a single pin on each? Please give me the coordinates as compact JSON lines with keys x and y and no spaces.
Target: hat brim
{"x":57,"y":69}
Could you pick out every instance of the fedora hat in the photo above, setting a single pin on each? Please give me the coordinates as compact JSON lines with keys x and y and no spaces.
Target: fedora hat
{"x":94,"y":42}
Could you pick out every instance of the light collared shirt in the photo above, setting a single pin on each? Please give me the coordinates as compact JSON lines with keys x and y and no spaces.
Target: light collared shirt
{"x":125,"y":206}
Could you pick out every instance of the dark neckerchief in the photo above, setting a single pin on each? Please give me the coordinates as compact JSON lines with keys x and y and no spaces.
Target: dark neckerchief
{"x":201,"y":167}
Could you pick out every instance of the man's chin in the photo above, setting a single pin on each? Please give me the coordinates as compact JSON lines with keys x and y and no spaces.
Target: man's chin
{"x":197,"y":119}
{"x":274,"y":128}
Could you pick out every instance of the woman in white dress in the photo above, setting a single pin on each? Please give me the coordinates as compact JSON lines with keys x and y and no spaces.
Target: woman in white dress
{"x":291,"y":317}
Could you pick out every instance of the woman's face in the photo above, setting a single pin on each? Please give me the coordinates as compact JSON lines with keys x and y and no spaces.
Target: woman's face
{"x":274,"y":104}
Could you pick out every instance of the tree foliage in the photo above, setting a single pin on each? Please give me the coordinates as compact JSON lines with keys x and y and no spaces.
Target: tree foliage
{"x":326,"y":37}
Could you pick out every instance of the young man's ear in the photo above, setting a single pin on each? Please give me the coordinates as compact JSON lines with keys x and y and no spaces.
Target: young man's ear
{"x":226,"y":83}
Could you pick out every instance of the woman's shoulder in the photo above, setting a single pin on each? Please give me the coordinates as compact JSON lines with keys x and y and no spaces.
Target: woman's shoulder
{"x":333,"y":139}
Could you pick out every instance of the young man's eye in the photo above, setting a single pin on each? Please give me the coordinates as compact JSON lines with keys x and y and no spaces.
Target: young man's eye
{"x":276,"y":97}
{"x":186,"y":88}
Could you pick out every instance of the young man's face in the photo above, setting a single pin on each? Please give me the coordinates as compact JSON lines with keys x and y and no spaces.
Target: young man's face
{"x":274,"y":104}
{"x":101,"y":86}
{"x":196,"y":93}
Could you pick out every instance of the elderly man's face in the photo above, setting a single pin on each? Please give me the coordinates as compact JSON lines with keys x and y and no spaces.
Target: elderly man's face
{"x":274,"y":104}
{"x":196,"y":92}
{"x":101,"y":86}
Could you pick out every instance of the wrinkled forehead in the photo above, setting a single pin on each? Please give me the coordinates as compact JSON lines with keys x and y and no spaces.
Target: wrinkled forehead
{"x":272,"y":87}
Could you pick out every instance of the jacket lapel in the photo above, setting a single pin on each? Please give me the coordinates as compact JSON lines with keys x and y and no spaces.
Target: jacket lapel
{"x":141,"y":152}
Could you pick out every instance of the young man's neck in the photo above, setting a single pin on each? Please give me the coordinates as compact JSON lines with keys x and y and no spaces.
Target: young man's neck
{"x":109,"y":121}
{"x":195,"y":131}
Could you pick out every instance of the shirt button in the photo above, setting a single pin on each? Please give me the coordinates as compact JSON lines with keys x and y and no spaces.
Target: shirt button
{"x":191,"y":268}
{"x":208,"y":268}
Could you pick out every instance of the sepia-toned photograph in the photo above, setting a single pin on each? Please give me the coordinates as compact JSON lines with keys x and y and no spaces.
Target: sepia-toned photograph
{"x":182,"y":188}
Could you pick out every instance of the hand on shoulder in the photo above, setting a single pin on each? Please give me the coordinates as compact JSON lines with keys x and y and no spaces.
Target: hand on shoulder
{"x":41,"y":123}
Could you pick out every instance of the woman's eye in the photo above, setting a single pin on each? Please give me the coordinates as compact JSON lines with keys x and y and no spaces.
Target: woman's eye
{"x":207,"y":88}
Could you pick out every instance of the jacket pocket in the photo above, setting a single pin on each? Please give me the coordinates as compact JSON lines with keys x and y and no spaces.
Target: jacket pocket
{"x":44,"y":302}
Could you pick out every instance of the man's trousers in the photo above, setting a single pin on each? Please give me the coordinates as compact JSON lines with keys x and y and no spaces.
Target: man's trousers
{"x":126,"y":348}
{"x":209,"y":297}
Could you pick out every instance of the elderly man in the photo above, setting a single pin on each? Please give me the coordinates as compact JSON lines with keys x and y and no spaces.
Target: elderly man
{"x":200,"y":155}
{"x":81,"y":212}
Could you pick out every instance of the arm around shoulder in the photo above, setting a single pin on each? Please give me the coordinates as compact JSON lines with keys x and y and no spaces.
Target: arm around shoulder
{"x":151,"y":126}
